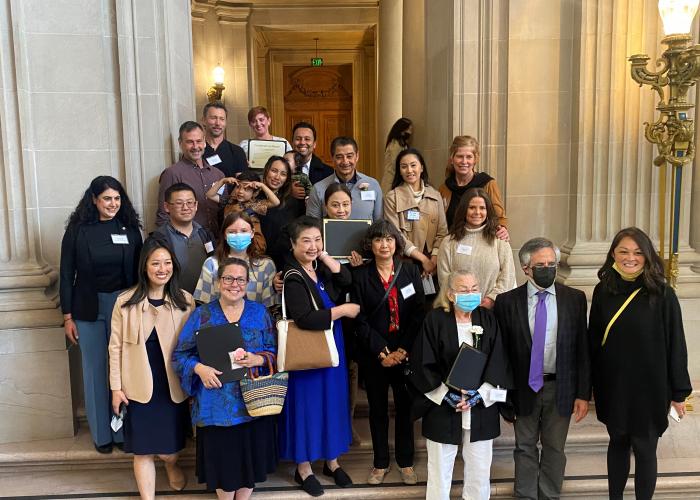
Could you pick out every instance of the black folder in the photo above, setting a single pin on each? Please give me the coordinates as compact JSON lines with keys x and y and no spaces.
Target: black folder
{"x":342,"y":236}
{"x":467,"y":369}
{"x":214,"y":345}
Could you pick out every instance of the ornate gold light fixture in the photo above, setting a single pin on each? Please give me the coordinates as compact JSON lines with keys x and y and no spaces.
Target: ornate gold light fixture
{"x":216,"y":91}
{"x":673,"y":131}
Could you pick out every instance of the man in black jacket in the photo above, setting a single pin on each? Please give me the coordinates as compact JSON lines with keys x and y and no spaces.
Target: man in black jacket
{"x":221,"y":153}
{"x":304,"y":143}
{"x":543,"y":324}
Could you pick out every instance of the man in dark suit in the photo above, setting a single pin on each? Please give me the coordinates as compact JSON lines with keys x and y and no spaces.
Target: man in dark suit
{"x":219,"y":152}
{"x":543,"y":324}
{"x":304,"y":143}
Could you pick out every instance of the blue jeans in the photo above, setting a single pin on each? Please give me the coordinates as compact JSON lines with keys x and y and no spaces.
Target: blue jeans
{"x":93,"y":340}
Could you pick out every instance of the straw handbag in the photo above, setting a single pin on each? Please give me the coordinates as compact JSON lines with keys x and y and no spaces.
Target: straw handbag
{"x":264,"y":395}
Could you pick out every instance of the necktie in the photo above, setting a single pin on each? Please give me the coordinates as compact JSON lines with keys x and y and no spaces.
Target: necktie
{"x":536,"y":381}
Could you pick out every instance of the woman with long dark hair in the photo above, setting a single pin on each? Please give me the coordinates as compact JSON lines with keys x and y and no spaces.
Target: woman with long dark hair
{"x":473,"y":244}
{"x":639,"y":358}
{"x":398,"y":139}
{"x":235,"y":238}
{"x":415,"y":208}
{"x":146,"y":322}
{"x":99,"y":258}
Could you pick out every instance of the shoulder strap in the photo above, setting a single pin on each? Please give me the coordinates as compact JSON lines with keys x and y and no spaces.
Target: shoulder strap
{"x":388,"y":290}
{"x":311,"y":295}
{"x":617,"y":314}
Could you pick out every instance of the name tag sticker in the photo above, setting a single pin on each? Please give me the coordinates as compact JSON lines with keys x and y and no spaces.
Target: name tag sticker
{"x":209,"y":246}
{"x":368,"y":195}
{"x":413,"y":215}
{"x":120,"y":239}
{"x":214,"y":160}
{"x":464,"y":249}
{"x":408,"y":291}
{"x":498,"y":395}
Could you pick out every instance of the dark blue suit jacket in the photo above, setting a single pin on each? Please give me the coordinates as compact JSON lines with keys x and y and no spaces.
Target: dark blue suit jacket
{"x":573,"y":356}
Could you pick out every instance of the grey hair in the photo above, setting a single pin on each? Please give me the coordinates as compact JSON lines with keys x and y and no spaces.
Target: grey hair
{"x":442,"y":301}
{"x":533,"y":245}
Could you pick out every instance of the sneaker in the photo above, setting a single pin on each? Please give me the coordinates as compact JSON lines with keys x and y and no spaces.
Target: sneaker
{"x":376,"y":476}
{"x":408,"y":475}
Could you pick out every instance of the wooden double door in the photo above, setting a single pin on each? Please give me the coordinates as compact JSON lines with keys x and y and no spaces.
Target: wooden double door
{"x":321,"y":96}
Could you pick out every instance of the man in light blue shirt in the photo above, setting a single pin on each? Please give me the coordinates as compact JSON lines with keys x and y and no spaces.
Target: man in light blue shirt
{"x":365,"y":190}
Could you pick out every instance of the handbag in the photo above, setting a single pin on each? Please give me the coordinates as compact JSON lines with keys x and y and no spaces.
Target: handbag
{"x":299,"y":349}
{"x":264,"y":395}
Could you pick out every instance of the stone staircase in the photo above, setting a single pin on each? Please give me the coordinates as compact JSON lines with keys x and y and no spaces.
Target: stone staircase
{"x":71,"y":468}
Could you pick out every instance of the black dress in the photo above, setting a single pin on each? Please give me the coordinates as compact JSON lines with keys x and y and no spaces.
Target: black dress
{"x":159,"y":426}
{"x":643,"y":365}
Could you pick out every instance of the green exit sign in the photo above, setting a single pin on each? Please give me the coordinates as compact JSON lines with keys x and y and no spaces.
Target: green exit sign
{"x":316,"y":61}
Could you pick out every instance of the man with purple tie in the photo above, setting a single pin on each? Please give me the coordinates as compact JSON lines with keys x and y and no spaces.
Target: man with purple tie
{"x":543,"y":325}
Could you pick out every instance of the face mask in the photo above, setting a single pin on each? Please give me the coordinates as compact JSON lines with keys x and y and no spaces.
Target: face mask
{"x":467,"y":302}
{"x":627,"y":276}
{"x":239,"y":241}
{"x":543,"y":276}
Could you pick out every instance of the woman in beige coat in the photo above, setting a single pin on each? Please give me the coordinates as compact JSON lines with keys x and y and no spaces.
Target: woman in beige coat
{"x":145,"y":324}
{"x":416,"y":209}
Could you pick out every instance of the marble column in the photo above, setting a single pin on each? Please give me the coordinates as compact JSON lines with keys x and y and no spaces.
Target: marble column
{"x":389,"y":72}
{"x":413,"y":68}
{"x":86,"y":88}
{"x":220,"y":36}
{"x":613,"y":181}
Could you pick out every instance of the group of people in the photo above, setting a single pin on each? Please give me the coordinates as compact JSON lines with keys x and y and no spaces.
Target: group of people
{"x":433,"y":274}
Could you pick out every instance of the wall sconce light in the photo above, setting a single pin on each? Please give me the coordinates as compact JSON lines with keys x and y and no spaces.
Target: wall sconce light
{"x":215,"y":91}
{"x":674,"y":131}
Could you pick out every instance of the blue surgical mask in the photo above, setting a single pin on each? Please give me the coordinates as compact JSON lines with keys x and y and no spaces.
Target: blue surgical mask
{"x":467,"y":302}
{"x":239,"y":241}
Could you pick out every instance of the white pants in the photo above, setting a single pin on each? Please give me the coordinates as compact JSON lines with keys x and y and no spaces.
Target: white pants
{"x":477,"y":469}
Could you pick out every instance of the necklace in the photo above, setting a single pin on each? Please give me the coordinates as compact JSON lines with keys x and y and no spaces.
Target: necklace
{"x":314,"y":266}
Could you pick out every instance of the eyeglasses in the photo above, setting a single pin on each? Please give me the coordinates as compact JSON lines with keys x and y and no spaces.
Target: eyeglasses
{"x":230,"y":280}
{"x":179,"y":204}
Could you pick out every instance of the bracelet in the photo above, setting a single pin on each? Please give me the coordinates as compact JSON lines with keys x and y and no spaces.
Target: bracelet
{"x":322,"y":254}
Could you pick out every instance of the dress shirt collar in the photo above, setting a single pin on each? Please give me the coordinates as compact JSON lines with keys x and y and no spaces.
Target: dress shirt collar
{"x":532,"y":289}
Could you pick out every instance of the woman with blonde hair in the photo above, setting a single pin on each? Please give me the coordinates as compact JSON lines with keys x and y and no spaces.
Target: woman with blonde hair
{"x":462,"y":175}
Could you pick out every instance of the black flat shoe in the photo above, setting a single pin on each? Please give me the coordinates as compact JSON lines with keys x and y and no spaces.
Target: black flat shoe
{"x":340,"y":477}
{"x":119,"y":446}
{"x":310,"y":485}
{"x":104,"y":449}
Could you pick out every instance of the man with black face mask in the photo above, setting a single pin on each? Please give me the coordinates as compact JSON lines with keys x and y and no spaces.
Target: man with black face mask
{"x":543,"y":324}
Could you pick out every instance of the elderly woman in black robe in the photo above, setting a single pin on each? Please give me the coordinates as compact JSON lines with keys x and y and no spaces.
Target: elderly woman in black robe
{"x":452,"y":417}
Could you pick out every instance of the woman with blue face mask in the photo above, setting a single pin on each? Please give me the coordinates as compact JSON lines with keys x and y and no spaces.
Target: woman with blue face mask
{"x":452,"y":417}
{"x":235,"y":240}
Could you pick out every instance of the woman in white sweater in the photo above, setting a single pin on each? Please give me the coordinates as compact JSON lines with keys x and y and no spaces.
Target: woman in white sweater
{"x":472,"y":246}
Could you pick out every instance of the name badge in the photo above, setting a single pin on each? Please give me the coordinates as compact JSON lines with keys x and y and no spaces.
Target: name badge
{"x":464,"y":249}
{"x":209,"y":246}
{"x":498,"y":395}
{"x":368,"y":195}
{"x":214,"y":160}
{"x":413,"y":215}
{"x":408,"y":291}
{"x":120,"y":239}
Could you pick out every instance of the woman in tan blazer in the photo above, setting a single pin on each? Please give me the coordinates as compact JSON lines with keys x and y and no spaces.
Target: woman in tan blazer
{"x":146,"y":322}
{"x":416,"y":209}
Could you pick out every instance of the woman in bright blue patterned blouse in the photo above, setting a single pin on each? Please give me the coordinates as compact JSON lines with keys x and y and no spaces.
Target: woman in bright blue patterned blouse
{"x":234,"y":450}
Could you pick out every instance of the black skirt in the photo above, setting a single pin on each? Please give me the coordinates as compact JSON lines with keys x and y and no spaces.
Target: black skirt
{"x":159,"y":426}
{"x":238,"y":456}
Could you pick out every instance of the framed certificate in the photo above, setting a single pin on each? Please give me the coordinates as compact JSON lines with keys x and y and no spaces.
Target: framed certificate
{"x":259,"y":151}
{"x":341,"y":237}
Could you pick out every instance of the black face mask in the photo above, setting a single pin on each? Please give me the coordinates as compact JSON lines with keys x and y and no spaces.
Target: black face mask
{"x":543,"y":276}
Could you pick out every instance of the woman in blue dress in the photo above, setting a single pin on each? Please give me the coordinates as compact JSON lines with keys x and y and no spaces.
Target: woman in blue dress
{"x":315,"y":421}
{"x":234,"y":450}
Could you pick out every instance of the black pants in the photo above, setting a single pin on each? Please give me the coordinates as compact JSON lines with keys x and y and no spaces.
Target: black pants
{"x":377,"y":382}
{"x":644,"y":449}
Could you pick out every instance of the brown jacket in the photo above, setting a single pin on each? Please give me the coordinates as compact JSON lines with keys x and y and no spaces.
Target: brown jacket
{"x":429,"y":230}
{"x":494,"y":193}
{"x":129,"y":369}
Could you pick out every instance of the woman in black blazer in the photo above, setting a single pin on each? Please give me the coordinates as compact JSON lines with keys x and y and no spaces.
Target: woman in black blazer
{"x":315,"y":420}
{"x":390,"y":294}
{"x":99,"y":258}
